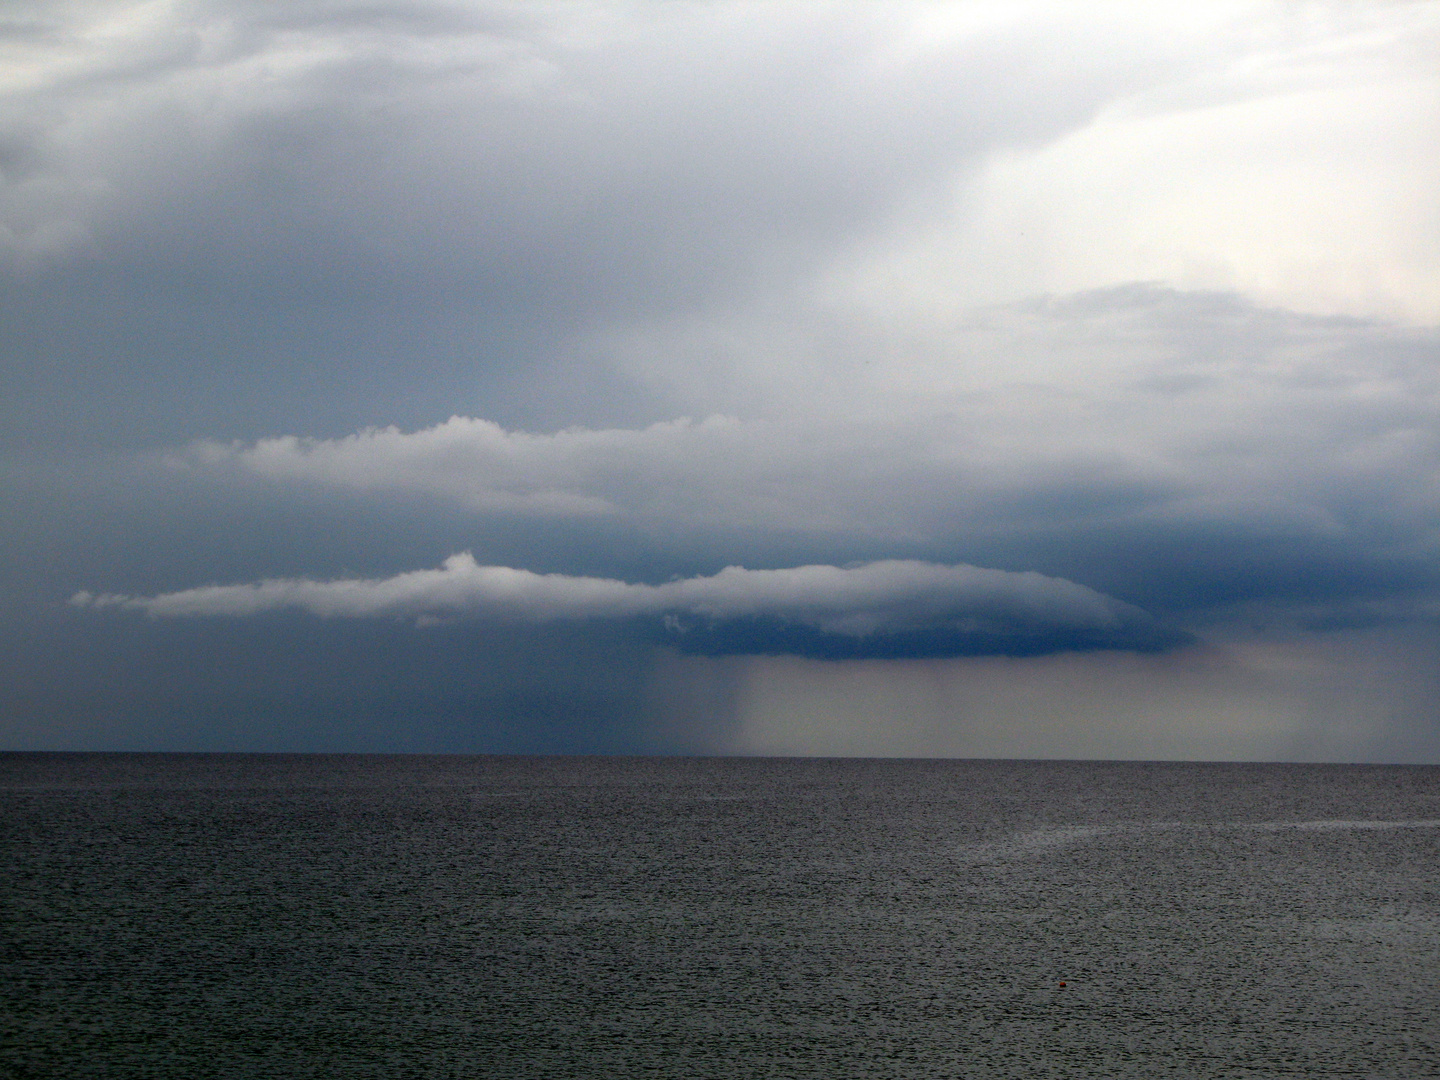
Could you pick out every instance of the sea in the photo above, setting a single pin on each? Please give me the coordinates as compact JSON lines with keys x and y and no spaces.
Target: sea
{"x":354,"y":916}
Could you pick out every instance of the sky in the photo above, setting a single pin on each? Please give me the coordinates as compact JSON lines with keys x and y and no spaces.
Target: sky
{"x":956,"y":379}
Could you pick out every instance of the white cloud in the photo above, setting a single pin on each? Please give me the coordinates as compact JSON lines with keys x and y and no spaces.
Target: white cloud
{"x":856,"y":602}
{"x":474,"y":461}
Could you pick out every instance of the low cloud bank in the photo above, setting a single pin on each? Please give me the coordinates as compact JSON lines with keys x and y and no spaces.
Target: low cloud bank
{"x":889,"y":608}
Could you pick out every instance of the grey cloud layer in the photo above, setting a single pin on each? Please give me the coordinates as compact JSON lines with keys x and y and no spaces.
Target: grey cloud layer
{"x":215,"y":212}
{"x":889,"y":597}
{"x":512,"y":133}
{"x":1140,"y":408}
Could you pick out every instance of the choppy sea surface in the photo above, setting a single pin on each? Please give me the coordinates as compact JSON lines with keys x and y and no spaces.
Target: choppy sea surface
{"x":370,"y":916}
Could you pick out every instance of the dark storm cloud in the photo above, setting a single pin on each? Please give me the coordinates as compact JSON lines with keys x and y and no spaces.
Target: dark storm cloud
{"x":778,"y":637}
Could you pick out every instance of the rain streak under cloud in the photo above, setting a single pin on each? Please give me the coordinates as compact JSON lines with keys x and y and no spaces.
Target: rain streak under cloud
{"x":934,"y":378}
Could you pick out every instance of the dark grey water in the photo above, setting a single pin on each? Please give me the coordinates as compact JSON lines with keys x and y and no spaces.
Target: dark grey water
{"x":250,"y":916}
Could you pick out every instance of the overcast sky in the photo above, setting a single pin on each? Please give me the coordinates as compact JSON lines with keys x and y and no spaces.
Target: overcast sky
{"x":962,"y":379}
